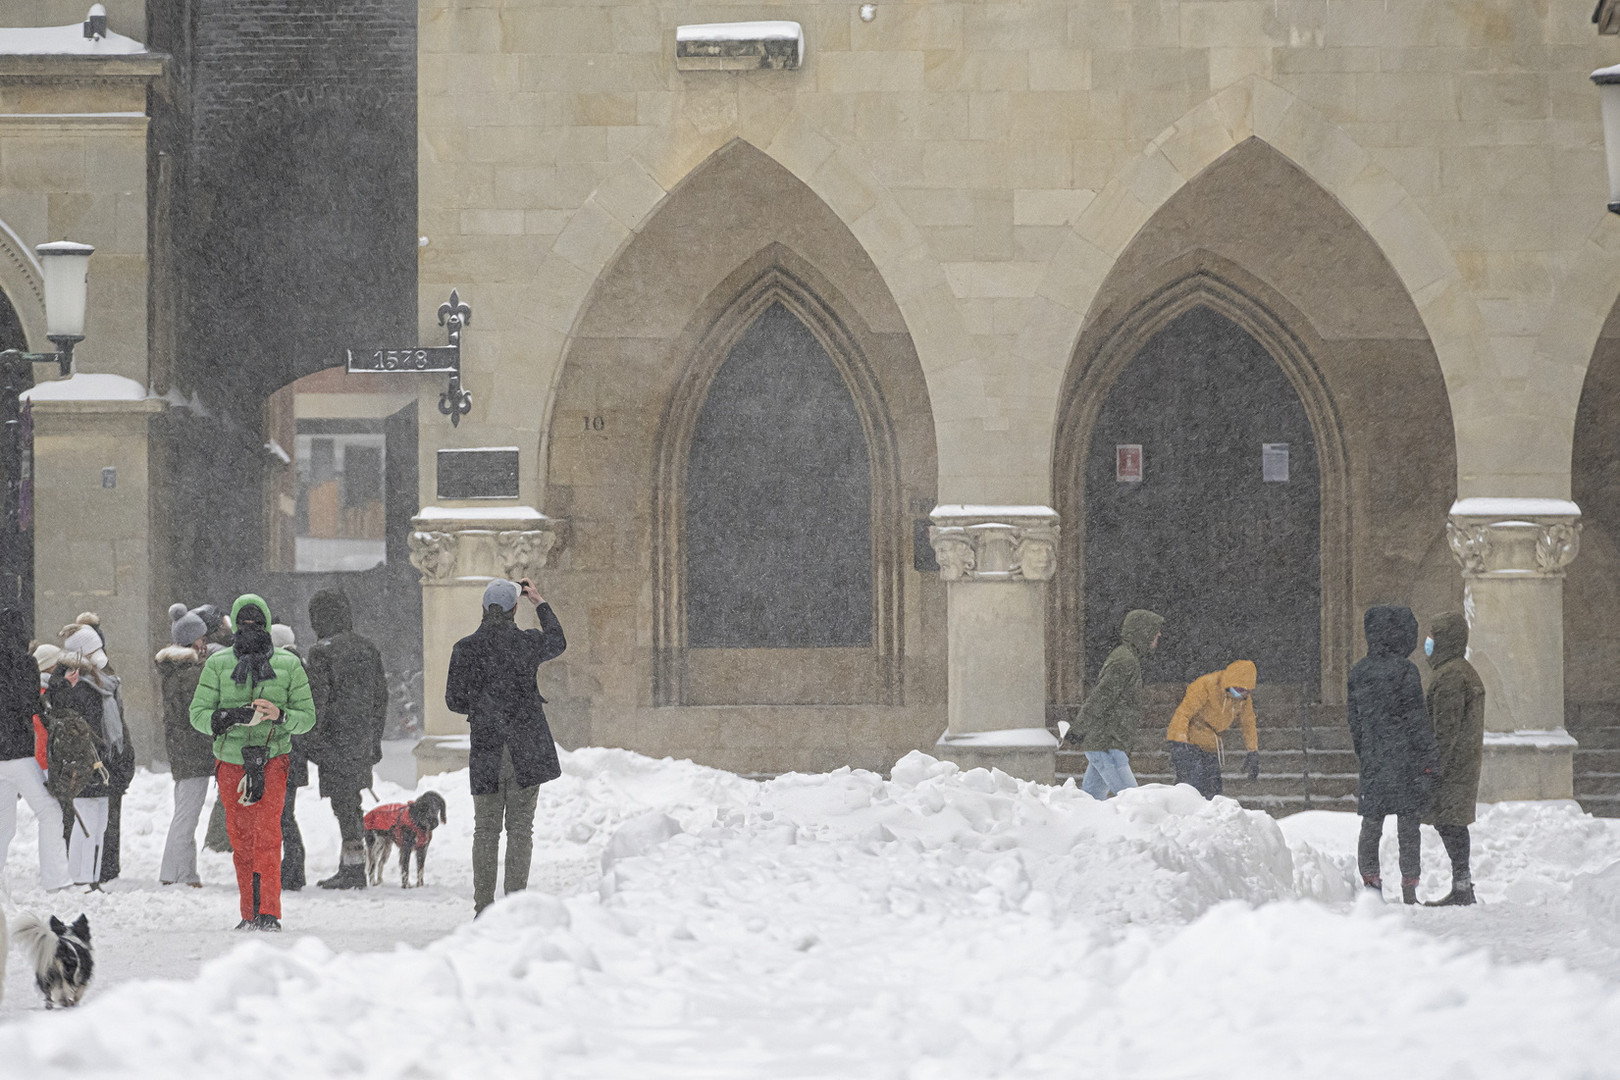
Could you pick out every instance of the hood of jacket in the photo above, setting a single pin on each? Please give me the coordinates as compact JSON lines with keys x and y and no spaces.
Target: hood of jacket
{"x":1450,"y":633}
{"x":243,"y":601}
{"x":179,"y":654}
{"x":1391,"y":631}
{"x":1240,"y":675}
{"x":329,"y":613}
{"x":1140,"y":628}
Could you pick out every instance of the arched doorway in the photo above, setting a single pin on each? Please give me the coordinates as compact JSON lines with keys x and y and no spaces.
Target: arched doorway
{"x":1216,"y":392}
{"x":1203,"y":503}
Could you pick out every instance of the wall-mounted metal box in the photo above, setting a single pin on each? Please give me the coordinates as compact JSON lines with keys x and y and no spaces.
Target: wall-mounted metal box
{"x":739,"y":46}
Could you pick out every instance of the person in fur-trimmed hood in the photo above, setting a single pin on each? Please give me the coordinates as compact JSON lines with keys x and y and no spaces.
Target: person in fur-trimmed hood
{"x":190,"y":752}
{"x":253,"y":698}
{"x":84,"y":684}
{"x":350,"y":691}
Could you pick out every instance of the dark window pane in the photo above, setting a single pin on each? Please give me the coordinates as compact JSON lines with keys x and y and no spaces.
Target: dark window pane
{"x":778,"y":500}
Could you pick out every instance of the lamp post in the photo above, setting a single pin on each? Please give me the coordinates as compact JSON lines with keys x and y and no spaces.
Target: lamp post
{"x":1608,"y":84}
{"x":65,"y":265}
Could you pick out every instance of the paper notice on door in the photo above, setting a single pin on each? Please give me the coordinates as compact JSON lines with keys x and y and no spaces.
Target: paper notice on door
{"x":1274,"y":462}
{"x":1128,"y":463}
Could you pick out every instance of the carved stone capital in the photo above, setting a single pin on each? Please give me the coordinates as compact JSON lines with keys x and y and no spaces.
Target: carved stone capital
{"x":434,"y":556}
{"x":453,"y":545}
{"x":523,"y":552}
{"x":995,"y":543}
{"x":1503,"y":538}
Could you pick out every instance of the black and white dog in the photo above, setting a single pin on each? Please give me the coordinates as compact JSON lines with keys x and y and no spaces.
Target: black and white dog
{"x":406,"y":826}
{"x":60,"y":955}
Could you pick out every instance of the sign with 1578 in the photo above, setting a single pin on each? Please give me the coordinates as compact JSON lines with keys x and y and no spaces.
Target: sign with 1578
{"x":435,"y":358}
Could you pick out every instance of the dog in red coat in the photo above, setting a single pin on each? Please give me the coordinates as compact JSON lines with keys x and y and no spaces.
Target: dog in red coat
{"x":406,"y":826}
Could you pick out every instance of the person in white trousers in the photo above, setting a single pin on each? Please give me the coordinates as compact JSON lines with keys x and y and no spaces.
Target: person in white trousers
{"x":190,"y":752}
{"x":81,"y":685}
{"x":20,"y":774}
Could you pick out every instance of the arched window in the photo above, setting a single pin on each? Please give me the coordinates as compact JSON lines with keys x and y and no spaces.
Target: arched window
{"x":776,"y":517}
{"x":778,"y":523}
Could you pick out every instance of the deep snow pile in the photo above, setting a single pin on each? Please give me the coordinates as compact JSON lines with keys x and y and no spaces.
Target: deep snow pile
{"x":685,"y":922}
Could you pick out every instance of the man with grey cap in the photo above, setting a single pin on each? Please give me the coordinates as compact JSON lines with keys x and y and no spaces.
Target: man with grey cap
{"x":492,"y":680}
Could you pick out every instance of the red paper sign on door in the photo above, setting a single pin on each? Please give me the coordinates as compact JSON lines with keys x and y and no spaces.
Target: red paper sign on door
{"x":1128,"y":463}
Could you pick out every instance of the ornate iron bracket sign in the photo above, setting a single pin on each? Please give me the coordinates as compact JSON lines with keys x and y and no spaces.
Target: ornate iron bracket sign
{"x":455,"y":402}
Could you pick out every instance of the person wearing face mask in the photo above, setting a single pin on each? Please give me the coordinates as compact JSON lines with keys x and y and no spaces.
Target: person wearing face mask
{"x":1212,"y":704}
{"x":253,"y":698}
{"x":1456,"y":703}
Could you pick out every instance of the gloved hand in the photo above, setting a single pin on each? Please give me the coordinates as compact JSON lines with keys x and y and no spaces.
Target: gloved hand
{"x":1251,"y":765}
{"x":225,"y":719}
{"x":250,"y":789}
{"x":101,"y":770}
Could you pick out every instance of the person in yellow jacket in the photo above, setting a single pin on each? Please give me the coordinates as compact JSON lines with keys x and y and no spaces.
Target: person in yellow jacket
{"x":1213,"y":703}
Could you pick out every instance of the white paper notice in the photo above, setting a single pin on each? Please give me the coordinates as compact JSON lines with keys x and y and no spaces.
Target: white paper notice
{"x":1274,"y":462}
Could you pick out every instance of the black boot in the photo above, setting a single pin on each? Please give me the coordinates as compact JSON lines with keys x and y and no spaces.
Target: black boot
{"x":1461,"y":895}
{"x":267,"y":923}
{"x":1409,"y":890}
{"x":351,"y":872}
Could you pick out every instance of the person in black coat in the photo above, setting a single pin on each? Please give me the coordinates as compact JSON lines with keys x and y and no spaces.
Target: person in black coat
{"x":350,"y":689}
{"x":492,"y":680}
{"x":1394,"y":743}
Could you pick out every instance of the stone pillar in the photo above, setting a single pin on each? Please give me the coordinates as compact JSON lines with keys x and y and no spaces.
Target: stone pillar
{"x":1513,"y":553}
{"x":997,"y":560}
{"x":458,"y":551}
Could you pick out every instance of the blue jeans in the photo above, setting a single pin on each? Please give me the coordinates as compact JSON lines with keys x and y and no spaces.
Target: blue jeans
{"x":1107,"y":770}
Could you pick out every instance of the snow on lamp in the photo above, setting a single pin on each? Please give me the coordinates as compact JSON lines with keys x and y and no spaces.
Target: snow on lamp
{"x":1608,"y":84}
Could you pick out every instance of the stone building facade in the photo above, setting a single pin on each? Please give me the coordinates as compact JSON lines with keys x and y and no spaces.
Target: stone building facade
{"x":73,"y":164}
{"x":986,"y":214}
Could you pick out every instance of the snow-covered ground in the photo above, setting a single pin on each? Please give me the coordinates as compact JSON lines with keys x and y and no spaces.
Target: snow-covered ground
{"x":685,"y":922}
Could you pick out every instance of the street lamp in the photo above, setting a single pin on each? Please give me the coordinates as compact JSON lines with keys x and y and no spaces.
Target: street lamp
{"x":1608,"y":83}
{"x":66,"y":266}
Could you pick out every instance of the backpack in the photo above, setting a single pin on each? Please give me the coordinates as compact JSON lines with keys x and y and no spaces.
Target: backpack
{"x":72,"y":753}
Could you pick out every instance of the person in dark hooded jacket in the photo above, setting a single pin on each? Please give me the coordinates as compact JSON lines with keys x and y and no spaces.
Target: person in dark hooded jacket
{"x":1456,"y":704}
{"x":1394,"y":743}
{"x":1111,"y":715}
{"x":20,"y":774}
{"x":492,"y":679}
{"x":346,"y":680}
{"x":190,"y":752}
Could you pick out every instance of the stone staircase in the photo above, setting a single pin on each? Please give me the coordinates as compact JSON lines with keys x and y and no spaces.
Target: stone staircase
{"x":1596,"y":727}
{"x":1306,"y":762}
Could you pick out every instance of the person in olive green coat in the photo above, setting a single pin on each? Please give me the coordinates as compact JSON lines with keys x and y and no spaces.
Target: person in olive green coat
{"x":1111,"y":715}
{"x":253,"y":698}
{"x":1456,"y":703}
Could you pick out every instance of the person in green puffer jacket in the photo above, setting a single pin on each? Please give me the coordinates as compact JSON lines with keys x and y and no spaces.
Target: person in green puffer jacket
{"x":1111,"y":714}
{"x":253,"y":698}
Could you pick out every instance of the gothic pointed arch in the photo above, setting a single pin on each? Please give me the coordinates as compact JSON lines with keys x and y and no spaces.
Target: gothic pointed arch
{"x":1235,"y":297}
{"x":769,"y":288}
{"x":1258,"y":241}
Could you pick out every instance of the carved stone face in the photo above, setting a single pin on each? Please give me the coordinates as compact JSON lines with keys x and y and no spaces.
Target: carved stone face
{"x":1037,"y":559}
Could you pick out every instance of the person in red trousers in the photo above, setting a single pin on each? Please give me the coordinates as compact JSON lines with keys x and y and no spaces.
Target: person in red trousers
{"x":253,"y":698}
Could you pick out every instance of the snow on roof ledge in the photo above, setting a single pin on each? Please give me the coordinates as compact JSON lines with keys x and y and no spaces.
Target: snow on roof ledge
{"x":63,"y":41}
{"x":479,"y":513}
{"x":739,"y":46}
{"x":88,"y":386}
{"x":1036,"y":737}
{"x":1512,"y":508}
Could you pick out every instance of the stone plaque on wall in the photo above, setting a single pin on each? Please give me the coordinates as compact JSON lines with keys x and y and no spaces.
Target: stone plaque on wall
{"x":485,"y":472}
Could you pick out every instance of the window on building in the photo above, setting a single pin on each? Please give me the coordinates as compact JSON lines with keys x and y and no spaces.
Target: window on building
{"x":778,"y":528}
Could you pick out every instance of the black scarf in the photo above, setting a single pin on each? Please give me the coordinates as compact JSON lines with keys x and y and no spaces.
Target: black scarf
{"x":253,"y":648}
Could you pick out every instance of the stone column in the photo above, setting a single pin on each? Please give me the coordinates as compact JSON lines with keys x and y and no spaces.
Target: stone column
{"x":997,"y":560}
{"x":458,"y":551}
{"x":1513,"y":553}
